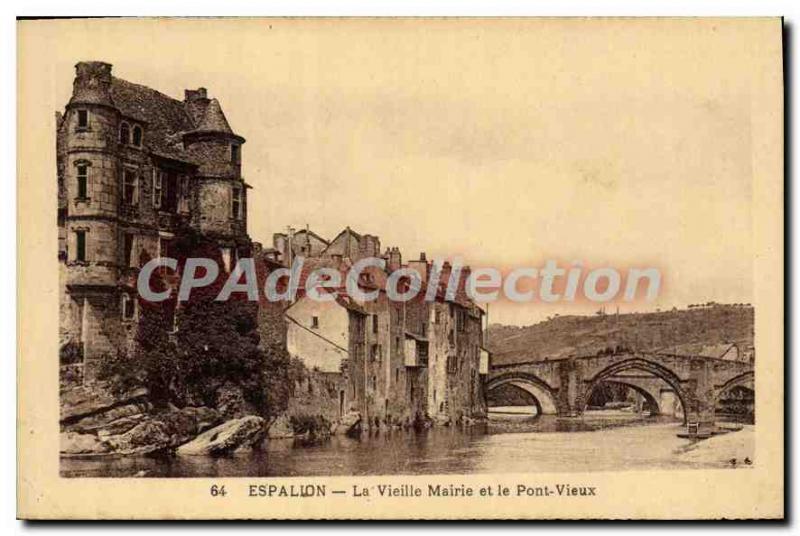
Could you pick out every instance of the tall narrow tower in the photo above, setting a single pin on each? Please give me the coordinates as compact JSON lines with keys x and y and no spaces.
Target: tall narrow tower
{"x":221,"y":190}
{"x":89,"y":168}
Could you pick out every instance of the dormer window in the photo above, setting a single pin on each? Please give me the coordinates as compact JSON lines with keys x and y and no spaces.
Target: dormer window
{"x":236,"y":154}
{"x":124,"y":134}
{"x":83,"y":119}
{"x":137,"y":136}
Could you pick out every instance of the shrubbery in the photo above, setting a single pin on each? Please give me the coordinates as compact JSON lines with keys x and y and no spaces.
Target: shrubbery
{"x":216,"y":343}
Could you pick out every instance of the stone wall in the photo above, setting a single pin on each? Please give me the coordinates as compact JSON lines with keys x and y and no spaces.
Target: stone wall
{"x":454,"y":385}
{"x":323,"y":346}
{"x":214,"y":199}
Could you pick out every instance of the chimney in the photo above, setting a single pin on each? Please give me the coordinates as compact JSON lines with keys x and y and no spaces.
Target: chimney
{"x":421,"y":267}
{"x":196,"y":101}
{"x":466,"y":271}
{"x":370,"y":246}
{"x":92,"y":84}
{"x":394,"y":260}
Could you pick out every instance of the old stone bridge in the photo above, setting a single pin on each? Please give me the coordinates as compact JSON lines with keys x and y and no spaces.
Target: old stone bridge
{"x":563,"y":386}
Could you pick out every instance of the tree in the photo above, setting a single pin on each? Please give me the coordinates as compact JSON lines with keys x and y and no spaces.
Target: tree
{"x":216,"y":344}
{"x":219,"y":343}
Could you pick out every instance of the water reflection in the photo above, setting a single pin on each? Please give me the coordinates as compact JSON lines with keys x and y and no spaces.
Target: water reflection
{"x":598,"y":441}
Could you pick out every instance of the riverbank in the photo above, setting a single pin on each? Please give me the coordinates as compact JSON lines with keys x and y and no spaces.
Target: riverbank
{"x":733,"y":449}
{"x":643,"y":445}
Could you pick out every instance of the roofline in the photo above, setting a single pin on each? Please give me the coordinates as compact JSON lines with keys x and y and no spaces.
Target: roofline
{"x":343,"y":231}
{"x":215,"y":134}
{"x":312,"y":233}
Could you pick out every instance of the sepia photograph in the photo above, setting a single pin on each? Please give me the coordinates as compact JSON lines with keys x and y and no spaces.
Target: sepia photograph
{"x":366,"y":259}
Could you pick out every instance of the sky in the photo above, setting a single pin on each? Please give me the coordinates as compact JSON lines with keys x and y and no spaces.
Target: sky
{"x":506,"y":143}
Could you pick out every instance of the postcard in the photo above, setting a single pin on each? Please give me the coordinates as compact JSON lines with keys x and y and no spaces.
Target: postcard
{"x":401,"y":268}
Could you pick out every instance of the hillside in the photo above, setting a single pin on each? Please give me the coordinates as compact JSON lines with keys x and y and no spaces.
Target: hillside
{"x":697,"y":329}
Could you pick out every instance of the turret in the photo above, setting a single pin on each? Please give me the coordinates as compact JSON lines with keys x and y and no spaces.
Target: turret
{"x":217,"y":149}
{"x":90,"y":133}
{"x":90,"y":168}
{"x":212,"y":140}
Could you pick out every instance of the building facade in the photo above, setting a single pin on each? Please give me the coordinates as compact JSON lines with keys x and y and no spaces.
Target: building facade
{"x":135,"y":168}
{"x":400,"y":362}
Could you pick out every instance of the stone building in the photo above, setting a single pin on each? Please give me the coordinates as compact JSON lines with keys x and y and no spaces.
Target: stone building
{"x":134,"y":168}
{"x":348,"y":244}
{"x":444,"y":349}
{"x":303,"y":243}
{"x":399,"y":362}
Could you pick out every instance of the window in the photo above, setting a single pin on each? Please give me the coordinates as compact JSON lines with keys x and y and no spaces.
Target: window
{"x":157,"y":185}
{"x":83,"y":180}
{"x":168,"y":188}
{"x":124,"y":134}
{"x":80,"y":246}
{"x":375,"y":352}
{"x":452,"y":364}
{"x":164,"y":250}
{"x":183,"y":202}
{"x":128,"y":307}
{"x":422,"y":354}
{"x":137,"y":136}
{"x":128,"y":259}
{"x":374,"y":323}
{"x":83,"y":119}
{"x":236,"y":203}
{"x":461,"y":320}
{"x":129,"y":193}
{"x":438,"y":317}
{"x":165,"y":246}
{"x":236,"y":154}
{"x":315,"y":322}
{"x":226,"y":258}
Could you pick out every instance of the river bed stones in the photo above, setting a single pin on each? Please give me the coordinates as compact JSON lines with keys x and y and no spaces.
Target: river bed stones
{"x":81,"y":444}
{"x":230,"y":437}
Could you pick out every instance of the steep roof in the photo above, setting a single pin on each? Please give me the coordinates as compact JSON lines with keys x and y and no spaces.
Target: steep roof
{"x":309,"y":232}
{"x":165,"y":118}
{"x":214,"y":119}
{"x":347,"y":231}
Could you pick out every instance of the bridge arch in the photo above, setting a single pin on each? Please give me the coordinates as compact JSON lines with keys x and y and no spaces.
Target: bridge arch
{"x":736,"y":398}
{"x":544,"y":396}
{"x":745,"y":379}
{"x":635,"y":363}
{"x":651,"y":403}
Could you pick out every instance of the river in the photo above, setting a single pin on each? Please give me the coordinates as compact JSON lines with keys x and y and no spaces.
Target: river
{"x":599,"y":441}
